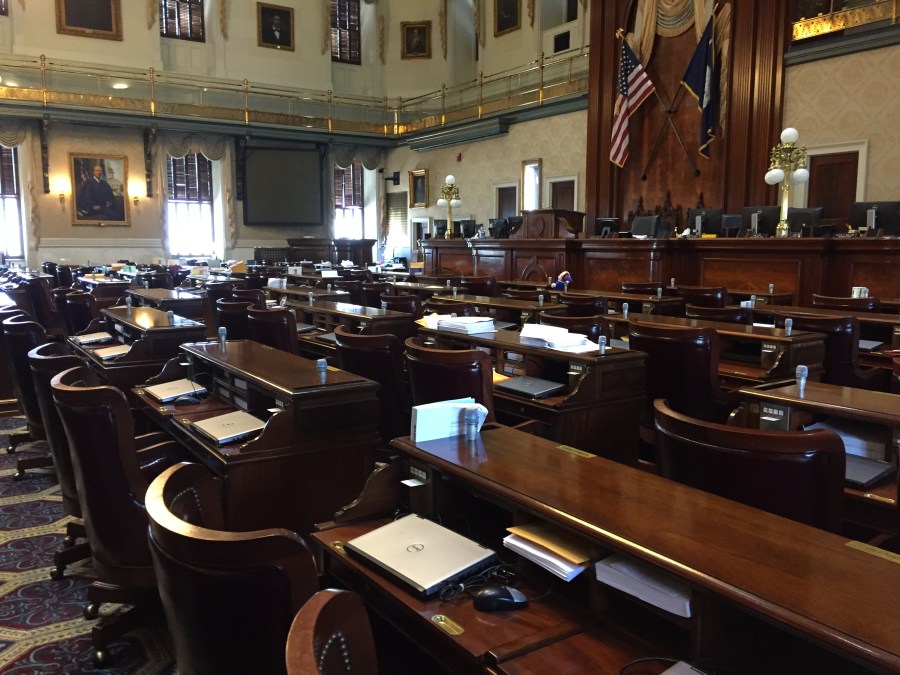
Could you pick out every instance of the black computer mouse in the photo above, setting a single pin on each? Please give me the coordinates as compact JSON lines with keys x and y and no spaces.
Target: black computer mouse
{"x":187,"y":399}
{"x":498,"y":599}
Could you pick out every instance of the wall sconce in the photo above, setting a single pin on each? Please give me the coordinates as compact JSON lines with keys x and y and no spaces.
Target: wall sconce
{"x":62,"y":187}
{"x":136,"y":189}
{"x":449,"y":198}
{"x":787,"y":165}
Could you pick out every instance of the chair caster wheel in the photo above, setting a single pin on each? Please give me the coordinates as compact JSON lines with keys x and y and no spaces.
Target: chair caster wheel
{"x":57,"y":573}
{"x":18,"y":475}
{"x":69,"y":542}
{"x":10,"y":449}
{"x":92,"y":611}
{"x":99,"y":658}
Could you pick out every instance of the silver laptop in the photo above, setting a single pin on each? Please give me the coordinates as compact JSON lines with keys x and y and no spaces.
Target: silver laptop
{"x":532,"y":387}
{"x":419,"y":555}
{"x":106,"y":353}
{"x":90,"y":338}
{"x":864,"y":472}
{"x":230,"y":427}
{"x":169,"y":391}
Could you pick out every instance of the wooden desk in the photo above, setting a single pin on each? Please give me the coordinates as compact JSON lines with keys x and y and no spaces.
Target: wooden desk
{"x":600,"y":408}
{"x":326,"y":315}
{"x":104,"y":287}
{"x":815,"y":602}
{"x":665,"y":305}
{"x":181,"y":302}
{"x":748,"y":354}
{"x":423,"y":291}
{"x":523,"y":311}
{"x":300,"y":294}
{"x":762,"y":295}
{"x":313,"y":455}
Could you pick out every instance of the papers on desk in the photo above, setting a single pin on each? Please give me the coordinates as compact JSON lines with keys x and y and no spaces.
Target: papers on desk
{"x":466,"y":324}
{"x":443,"y":419}
{"x":557,"y":552}
{"x":869,"y":345}
{"x":554,"y":337}
{"x":90,"y":338}
{"x":644,"y":581}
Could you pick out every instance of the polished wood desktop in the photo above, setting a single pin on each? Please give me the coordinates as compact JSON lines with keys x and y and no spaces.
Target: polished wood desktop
{"x":747,"y":354}
{"x":762,"y":295}
{"x":664,"y":305}
{"x":510,"y":309}
{"x":423,"y":291}
{"x":183,"y":303}
{"x":816,"y":601}
{"x":598,"y":411}
{"x":325,"y":314}
{"x":315,"y":451}
{"x":300,"y":294}
{"x":103,"y":286}
{"x":872,"y":325}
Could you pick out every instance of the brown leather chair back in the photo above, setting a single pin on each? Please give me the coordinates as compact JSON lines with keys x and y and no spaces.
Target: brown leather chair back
{"x":457,"y":307}
{"x":442,"y":374}
{"x":255,"y":281}
{"x":841,"y":362}
{"x":330,"y":631}
{"x":229,"y":597}
{"x":704,"y":296}
{"x":895,"y":380}
{"x":216,"y":290}
{"x":64,"y":275}
{"x":7,"y":383}
{"x":852,"y":304}
{"x":353,"y":287}
{"x":725,"y":314}
{"x":108,"y":478}
{"x":479,"y":286}
{"x":275,"y":327}
{"x":232,"y":315}
{"x":592,"y":326}
{"x":795,"y":474}
{"x":45,"y":311}
{"x":81,"y":309}
{"x":22,"y":334}
{"x":379,"y":358}
{"x":682,"y":367}
{"x":371,"y":292}
{"x":255,"y":295}
{"x":59,"y":299}
{"x":403,"y":303}
{"x":583,"y":305}
{"x":162,"y":280}
{"x":46,"y":361}
{"x":640,"y":287}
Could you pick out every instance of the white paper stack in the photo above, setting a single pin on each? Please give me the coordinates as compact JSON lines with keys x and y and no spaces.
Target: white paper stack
{"x":555,"y":551}
{"x":644,"y":581}
{"x":443,"y":419}
{"x":554,"y":337}
{"x":467,"y":324}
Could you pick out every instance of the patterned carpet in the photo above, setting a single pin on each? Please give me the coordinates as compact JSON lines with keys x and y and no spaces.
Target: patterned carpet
{"x":41,"y":625}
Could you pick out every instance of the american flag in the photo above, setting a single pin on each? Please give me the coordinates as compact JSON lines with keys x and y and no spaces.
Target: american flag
{"x":633,"y":88}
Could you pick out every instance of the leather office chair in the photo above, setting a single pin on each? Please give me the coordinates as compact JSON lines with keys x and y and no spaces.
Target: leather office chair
{"x":479,"y":286}
{"x":845,"y":303}
{"x":841,"y":361}
{"x":710,"y":221}
{"x":232,"y":315}
{"x":229,"y":597}
{"x":804,"y":220}
{"x":379,"y":358}
{"x":895,"y":379}
{"x":255,"y":295}
{"x":442,"y":374}
{"x":162,"y":280}
{"x":583,"y":305}
{"x":371,"y":292}
{"x":21,"y":334}
{"x":46,"y":361}
{"x":255,"y":281}
{"x":725,"y":314}
{"x":81,"y":309}
{"x":48,"y":267}
{"x":275,"y":327}
{"x":59,"y":299}
{"x":403,"y":303}
{"x":112,"y":471}
{"x":353,"y":287}
{"x":795,"y":474}
{"x":704,"y":296}
{"x":458,"y":307}
{"x":45,"y":311}
{"x":527,"y":293}
{"x":592,"y":326}
{"x":364,"y":276}
{"x":682,"y":367}
{"x":640,"y":287}
{"x":331,"y":634}
{"x":214,"y":291}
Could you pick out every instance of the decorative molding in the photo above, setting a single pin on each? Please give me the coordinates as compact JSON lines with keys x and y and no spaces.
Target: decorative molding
{"x":107,"y":242}
{"x":45,"y":153}
{"x":478,"y":18}
{"x":443,"y":26}
{"x":531,"y":13}
{"x":326,"y":26}
{"x":381,"y":37}
{"x":223,"y":19}
{"x":35,"y":216}
{"x":229,"y":218}
{"x":149,"y":140}
{"x":152,"y":6}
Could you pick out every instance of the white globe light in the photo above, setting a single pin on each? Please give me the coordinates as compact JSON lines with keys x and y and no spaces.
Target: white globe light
{"x":455,"y":203}
{"x":442,"y":202}
{"x":774,"y":176}
{"x":450,"y":180}
{"x":789,"y":135}
{"x":800,"y":176}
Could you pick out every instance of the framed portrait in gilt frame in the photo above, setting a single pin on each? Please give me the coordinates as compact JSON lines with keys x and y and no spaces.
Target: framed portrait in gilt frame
{"x":275,"y":26}
{"x":416,"y":40}
{"x":507,"y":16}
{"x":99,"y":189}
{"x":418,"y":188}
{"x":90,"y":18}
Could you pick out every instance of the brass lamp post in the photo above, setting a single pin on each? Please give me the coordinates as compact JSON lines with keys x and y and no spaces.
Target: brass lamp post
{"x":449,"y":198}
{"x":787,"y":165}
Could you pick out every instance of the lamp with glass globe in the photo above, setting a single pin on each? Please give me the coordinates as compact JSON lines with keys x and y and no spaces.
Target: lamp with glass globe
{"x":787,"y":165}
{"x":449,"y":198}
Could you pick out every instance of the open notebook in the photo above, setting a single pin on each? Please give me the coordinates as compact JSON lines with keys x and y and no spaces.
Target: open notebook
{"x":230,"y":427}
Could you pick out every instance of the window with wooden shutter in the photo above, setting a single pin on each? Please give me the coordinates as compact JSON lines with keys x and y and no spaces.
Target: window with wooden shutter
{"x":10,"y":206}
{"x":189,"y":207}
{"x":345,"y":31}
{"x":4,"y":7}
{"x":181,"y":19}
{"x":396,"y":237}
{"x":348,"y":186}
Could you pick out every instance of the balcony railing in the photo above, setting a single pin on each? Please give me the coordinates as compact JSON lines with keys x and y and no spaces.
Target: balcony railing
{"x":49,"y":84}
{"x":862,"y":15}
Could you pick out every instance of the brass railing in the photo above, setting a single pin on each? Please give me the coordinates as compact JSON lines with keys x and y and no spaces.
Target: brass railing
{"x":47,"y":83}
{"x":873,"y":12}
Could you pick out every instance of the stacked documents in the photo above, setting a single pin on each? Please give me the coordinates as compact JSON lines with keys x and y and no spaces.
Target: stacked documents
{"x":554,"y":337}
{"x":466,"y":324}
{"x":647,"y":582}
{"x":556,"y":551}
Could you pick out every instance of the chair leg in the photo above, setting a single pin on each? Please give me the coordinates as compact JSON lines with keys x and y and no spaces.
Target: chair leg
{"x":25,"y":463}
{"x":74,"y":530}
{"x":145,"y":608}
{"x":17,"y":438}
{"x":67,"y":556}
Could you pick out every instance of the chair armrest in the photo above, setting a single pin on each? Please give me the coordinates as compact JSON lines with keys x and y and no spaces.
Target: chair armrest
{"x":152,"y":438}
{"x":874,"y":379}
{"x":532,"y":427}
{"x":155,"y":459}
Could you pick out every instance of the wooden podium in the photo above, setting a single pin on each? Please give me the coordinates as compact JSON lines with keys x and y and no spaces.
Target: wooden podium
{"x":551,"y":224}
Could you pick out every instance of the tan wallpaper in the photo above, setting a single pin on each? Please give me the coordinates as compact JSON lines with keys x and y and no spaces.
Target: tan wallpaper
{"x":847,"y":99}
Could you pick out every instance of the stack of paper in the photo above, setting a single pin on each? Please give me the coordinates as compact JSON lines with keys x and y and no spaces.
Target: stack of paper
{"x":554,"y":337}
{"x":554,"y":550}
{"x":467,"y":324}
{"x":443,"y":419}
{"x":643,"y":580}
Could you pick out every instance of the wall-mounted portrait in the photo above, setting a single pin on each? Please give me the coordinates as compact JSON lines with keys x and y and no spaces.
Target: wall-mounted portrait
{"x":418,"y":188}
{"x":90,"y":18}
{"x":507,"y":16}
{"x":275,"y":26}
{"x":100,"y":195}
{"x":416,"y":42}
